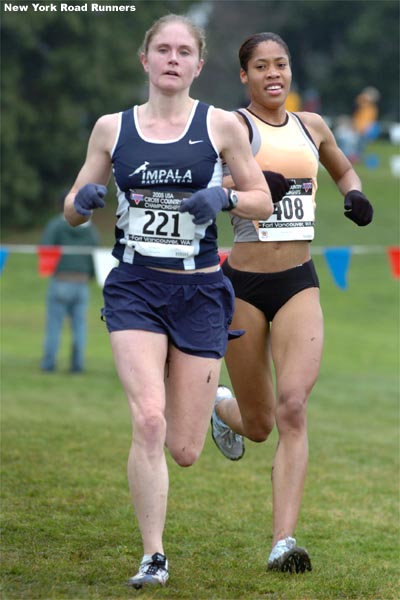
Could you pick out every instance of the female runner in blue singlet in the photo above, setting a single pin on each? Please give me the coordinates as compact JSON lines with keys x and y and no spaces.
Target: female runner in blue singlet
{"x":167,"y":305}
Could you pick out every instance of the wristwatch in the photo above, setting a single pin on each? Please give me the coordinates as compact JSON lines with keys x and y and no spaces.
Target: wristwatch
{"x":232,"y":200}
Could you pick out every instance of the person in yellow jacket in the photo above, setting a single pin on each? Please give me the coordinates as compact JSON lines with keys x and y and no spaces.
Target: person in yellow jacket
{"x":365,"y":117}
{"x":293,"y":101}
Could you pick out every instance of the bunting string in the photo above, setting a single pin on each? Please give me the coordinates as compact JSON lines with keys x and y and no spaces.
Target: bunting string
{"x":337,"y":258}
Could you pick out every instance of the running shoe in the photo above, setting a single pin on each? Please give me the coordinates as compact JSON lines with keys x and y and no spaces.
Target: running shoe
{"x":152,"y":570}
{"x":230,"y":443}
{"x":288,"y":557}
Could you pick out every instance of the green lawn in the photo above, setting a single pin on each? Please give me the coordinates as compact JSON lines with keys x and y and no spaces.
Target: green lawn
{"x":68,"y":530}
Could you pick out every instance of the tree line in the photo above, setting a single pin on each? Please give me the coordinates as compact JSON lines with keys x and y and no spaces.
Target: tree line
{"x":61,"y":71}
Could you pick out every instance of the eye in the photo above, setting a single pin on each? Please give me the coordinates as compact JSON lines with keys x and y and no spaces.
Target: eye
{"x":185,"y":51}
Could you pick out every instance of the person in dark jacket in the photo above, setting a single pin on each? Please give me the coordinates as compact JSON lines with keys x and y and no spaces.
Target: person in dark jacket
{"x":68,"y":291}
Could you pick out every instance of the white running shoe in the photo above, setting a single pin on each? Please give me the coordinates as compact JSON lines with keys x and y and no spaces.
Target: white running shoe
{"x":152,"y":570}
{"x":288,"y":557}
{"x":230,"y":443}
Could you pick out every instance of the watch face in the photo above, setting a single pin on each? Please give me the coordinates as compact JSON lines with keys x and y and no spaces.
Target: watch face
{"x":233,"y":198}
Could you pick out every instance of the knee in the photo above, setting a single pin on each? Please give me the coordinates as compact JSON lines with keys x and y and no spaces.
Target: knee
{"x":183,"y":455}
{"x":149,"y":430}
{"x":291,"y":410}
{"x":258,"y":429}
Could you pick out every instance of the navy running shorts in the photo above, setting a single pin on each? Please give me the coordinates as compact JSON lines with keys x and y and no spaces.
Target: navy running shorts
{"x":270,"y":291}
{"x":193,"y":310}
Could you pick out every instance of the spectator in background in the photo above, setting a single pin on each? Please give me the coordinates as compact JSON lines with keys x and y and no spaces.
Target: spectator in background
{"x":347,"y":137}
{"x":68,"y":291}
{"x":311,"y":101}
{"x":293,"y":101}
{"x":365,"y":118}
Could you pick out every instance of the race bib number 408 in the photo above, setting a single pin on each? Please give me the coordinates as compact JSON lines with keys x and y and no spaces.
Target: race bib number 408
{"x":156,"y":227}
{"x":293,"y":217}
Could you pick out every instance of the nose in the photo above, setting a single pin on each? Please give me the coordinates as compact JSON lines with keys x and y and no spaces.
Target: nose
{"x":272,"y":72}
{"x":173,"y":57}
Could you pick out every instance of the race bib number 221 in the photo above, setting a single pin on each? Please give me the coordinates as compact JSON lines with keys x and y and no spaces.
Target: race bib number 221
{"x":156,"y":227}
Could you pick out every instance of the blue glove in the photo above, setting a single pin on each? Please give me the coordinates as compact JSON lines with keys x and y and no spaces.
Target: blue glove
{"x":205,"y":204}
{"x":358,"y":208}
{"x":90,"y":196}
{"x":278,"y":185}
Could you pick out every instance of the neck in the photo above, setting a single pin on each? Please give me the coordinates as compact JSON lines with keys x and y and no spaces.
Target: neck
{"x":275,"y":116}
{"x":164,"y":106}
{"x":164,"y":119}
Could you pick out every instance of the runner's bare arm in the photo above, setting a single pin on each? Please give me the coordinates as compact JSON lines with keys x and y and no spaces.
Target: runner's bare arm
{"x":253,"y":193}
{"x":97,"y":165}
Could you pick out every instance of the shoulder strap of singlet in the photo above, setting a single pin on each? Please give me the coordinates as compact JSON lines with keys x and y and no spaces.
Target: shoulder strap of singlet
{"x":247,"y":122}
{"x":304,"y":128}
{"x":201,"y":107}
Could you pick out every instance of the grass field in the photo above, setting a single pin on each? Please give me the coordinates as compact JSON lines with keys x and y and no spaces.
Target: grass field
{"x":67,"y":526}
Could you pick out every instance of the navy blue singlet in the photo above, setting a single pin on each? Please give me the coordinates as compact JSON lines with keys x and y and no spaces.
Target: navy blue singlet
{"x":148,"y":173}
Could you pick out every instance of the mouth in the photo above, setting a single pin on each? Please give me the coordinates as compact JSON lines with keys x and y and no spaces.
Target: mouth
{"x":171,"y":73}
{"x":274,"y":88}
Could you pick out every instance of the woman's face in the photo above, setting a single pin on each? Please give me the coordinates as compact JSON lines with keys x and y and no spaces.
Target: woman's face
{"x":172,"y":60}
{"x":268,"y":75}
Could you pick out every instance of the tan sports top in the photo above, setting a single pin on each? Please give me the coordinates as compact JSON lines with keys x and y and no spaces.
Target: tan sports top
{"x":290,"y":150}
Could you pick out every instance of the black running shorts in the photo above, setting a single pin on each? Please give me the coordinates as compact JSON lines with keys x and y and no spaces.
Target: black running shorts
{"x":270,"y":291}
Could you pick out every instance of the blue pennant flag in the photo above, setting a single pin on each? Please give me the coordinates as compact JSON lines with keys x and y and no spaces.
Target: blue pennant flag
{"x":3,"y":257}
{"x":338,"y":260}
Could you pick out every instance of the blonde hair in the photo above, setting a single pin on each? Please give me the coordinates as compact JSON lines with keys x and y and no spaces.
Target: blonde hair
{"x":197,"y":32}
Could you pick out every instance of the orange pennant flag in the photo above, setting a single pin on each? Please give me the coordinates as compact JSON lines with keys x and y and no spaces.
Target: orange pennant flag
{"x":49,"y":257}
{"x":394,"y":258}
{"x":223,"y":255}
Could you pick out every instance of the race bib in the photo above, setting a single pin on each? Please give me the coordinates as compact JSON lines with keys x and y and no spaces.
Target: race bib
{"x":293,"y":217}
{"x":157,"y":228}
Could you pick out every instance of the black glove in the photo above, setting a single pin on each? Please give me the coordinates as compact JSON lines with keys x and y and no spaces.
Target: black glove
{"x":358,"y":208}
{"x":90,"y":196}
{"x":278,"y":185}
{"x":205,"y":204}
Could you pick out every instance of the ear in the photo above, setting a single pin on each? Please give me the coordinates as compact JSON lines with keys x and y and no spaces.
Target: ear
{"x":243,"y":77}
{"x":143,"y":60}
{"x":199,"y":68}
